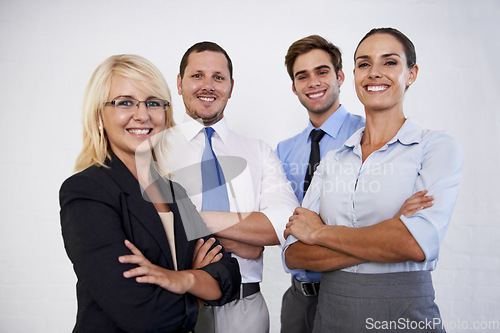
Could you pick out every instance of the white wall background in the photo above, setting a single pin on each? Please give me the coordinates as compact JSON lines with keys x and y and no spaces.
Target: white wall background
{"x":50,"y":48}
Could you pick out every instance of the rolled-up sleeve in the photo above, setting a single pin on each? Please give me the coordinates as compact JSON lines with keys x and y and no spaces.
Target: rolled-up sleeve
{"x":277,"y":200}
{"x":440,"y":174}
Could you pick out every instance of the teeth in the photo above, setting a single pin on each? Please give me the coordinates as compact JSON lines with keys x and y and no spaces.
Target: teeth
{"x":139,"y":131}
{"x":319,"y":94}
{"x":207,"y":99}
{"x":376,"y":88}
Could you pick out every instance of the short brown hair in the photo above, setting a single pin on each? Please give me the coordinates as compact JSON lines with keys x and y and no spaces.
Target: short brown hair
{"x":310,"y":43}
{"x":201,"y":47}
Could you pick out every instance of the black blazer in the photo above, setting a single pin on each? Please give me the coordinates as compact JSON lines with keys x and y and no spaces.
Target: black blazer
{"x":100,"y":208}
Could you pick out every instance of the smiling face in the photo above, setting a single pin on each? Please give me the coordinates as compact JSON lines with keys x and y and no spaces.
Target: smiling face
{"x":381,"y":73}
{"x":315,"y":82}
{"x":206,"y":86}
{"x":127,"y":129}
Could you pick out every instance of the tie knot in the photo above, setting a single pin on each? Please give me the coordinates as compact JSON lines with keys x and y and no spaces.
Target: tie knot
{"x":209,"y":131}
{"x":316,"y":135}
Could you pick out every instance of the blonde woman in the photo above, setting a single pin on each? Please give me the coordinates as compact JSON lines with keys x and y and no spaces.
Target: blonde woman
{"x":106,"y":215}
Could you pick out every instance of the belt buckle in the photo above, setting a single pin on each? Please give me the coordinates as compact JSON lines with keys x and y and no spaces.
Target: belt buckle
{"x":308,"y":288}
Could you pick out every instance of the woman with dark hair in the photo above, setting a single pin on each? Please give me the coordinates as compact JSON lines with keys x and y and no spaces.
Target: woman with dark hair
{"x":377,"y":271}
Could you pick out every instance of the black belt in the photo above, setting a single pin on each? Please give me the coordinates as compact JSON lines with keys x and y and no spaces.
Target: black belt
{"x":246,"y":289}
{"x":306,"y":288}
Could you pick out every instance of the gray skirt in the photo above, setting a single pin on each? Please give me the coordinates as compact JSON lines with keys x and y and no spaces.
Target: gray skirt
{"x":391,"y":302}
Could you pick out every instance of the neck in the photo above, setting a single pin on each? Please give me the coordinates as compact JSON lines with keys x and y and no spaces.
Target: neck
{"x":318,"y":118}
{"x":381,"y":127}
{"x":206,"y":121}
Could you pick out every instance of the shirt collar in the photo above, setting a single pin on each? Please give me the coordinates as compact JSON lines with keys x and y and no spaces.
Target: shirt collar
{"x":191,"y":127}
{"x":332,"y":125}
{"x":408,"y":134}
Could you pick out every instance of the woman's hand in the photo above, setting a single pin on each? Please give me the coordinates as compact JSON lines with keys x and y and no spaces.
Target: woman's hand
{"x":416,"y":202}
{"x":304,"y":224}
{"x":203,"y":255}
{"x":177,"y":282}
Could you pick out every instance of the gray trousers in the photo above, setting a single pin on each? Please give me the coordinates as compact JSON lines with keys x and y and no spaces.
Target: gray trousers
{"x":393,"y":302}
{"x":249,"y":315}
{"x":297,"y":311}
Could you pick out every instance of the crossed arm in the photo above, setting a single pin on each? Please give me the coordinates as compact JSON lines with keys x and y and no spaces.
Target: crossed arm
{"x":194,"y":281}
{"x":244,"y":234}
{"x":324,"y":248}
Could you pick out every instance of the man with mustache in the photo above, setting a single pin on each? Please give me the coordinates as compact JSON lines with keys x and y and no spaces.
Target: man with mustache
{"x":253,"y":199}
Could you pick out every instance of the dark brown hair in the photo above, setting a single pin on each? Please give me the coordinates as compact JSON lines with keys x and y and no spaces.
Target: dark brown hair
{"x":310,"y":43}
{"x":409,"y":48}
{"x":201,"y":47}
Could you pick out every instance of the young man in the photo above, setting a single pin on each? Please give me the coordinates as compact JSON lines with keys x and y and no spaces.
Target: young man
{"x":250,"y":205}
{"x":315,"y":67}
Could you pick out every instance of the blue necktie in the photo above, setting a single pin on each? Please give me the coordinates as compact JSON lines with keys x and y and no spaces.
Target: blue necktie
{"x":215,"y":196}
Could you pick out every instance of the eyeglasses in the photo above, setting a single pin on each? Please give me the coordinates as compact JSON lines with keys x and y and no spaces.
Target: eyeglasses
{"x":127,"y":103}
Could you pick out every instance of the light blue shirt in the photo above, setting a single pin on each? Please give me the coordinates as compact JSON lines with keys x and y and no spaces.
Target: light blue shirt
{"x":347,"y":192}
{"x":294,"y":154}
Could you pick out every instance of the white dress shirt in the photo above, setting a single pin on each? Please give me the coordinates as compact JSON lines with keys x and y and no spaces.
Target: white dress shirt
{"x":258,"y":181}
{"x":347,"y":192}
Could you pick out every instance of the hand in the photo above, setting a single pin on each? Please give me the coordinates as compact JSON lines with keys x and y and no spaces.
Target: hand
{"x":416,"y":202}
{"x":304,"y":224}
{"x":173,"y":281}
{"x":203,"y":255}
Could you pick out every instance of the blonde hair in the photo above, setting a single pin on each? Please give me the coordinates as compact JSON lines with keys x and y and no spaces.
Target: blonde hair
{"x":145,"y":76}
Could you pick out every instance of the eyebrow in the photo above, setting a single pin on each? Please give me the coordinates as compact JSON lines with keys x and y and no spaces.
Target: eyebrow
{"x":315,"y":68}
{"x":132,"y":97}
{"x":383,"y":56}
{"x":206,"y":71}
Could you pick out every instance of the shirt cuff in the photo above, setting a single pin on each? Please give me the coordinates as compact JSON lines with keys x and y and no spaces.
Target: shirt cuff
{"x":289,"y":241}
{"x":424,"y":233}
{"x":279,"y":218}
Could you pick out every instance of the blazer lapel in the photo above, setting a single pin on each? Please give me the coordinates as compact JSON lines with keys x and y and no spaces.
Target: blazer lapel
{"x":147,"y":215}
{"x":139,"y":205}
